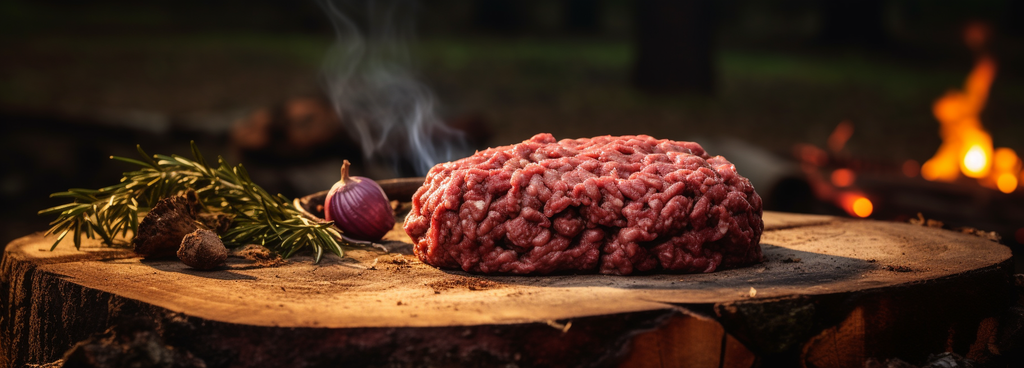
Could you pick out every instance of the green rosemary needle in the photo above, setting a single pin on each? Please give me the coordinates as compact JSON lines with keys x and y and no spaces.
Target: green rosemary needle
{"x":112,"y":212}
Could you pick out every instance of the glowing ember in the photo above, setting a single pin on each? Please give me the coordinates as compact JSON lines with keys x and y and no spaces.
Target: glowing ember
{"x":856,"y":204}
{"x":1006,"y":160}
{"x":1005,"y":166}
{"x":862,"y":207}
{"x":1006,"y":183}
{"x":811,"y":155}
{"x":843,"y":177}
{"x":839,"y":136}
{"x":911,"y":168}
{"x":839,"y":186}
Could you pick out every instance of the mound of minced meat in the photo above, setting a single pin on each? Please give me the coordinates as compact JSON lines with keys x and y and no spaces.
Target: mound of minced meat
{"x":614,"y":205}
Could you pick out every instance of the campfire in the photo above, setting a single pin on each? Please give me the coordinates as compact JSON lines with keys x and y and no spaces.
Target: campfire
{"x":966,"y":146}
{"x":968,"y":183}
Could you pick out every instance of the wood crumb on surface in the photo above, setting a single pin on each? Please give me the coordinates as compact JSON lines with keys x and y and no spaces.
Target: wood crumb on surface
{"x":461,"y":283}
{"x":922,"y":221}
{"x":393,"y":262}
{"x":260,"y":255}
{"x":898,"y":268}
{"x":990,"y":235}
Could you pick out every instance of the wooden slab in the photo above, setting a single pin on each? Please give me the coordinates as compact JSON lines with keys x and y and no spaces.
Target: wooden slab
{"x":807,"y":257}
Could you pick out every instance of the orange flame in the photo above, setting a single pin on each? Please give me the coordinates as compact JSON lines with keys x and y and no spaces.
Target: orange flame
{"x":966,"y":147}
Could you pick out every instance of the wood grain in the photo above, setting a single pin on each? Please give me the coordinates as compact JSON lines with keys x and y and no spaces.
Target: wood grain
{"x":818,"y":261}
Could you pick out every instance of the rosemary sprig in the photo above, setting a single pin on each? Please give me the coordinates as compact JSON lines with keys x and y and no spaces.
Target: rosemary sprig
{"x":112,"y":212}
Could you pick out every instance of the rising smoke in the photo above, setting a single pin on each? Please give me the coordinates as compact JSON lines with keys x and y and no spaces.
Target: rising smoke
{"x":381,"y":104}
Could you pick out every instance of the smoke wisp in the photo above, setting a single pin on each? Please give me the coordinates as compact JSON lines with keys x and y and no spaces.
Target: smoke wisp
{"x":382,"y":105}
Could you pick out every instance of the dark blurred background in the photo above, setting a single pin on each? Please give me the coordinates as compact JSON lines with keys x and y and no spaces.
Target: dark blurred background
{"x":749,"y":79}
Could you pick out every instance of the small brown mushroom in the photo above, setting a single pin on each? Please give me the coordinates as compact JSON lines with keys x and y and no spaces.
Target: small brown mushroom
{"x":161,"y":231}
{"x":202,"y":249}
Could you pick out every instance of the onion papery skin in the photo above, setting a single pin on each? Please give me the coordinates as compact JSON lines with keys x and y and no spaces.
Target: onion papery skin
{"x":359,"y":208}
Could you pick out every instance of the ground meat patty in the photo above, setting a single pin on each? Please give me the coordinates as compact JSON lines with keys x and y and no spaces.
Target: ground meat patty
{"x":615,"y":205}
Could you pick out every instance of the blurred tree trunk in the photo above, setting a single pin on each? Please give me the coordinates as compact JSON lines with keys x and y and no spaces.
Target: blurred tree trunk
{"x":675,"y":46}
{"x":853,"y":22}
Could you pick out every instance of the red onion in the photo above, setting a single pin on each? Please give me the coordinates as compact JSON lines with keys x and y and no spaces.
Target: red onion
{"x":359,"y":207}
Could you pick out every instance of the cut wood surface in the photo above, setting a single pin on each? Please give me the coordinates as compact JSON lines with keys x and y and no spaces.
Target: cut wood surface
{"x":806,"y":257}
{"x":369,"y":288}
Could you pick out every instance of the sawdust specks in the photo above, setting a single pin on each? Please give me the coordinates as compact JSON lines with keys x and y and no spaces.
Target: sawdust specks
{"x":461,"y":283}
{"x":260,"y":255}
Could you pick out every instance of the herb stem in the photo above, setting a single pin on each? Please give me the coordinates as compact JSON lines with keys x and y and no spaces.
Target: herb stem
{"x":258,"y":217}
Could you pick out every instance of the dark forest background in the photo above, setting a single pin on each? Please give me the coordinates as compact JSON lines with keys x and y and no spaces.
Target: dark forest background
{"x":82,"y":81}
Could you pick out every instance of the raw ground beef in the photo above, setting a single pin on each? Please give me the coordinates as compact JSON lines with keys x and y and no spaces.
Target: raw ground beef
{"x":615,"y":205}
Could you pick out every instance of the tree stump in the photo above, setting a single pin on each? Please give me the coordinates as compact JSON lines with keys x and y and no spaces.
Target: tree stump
{"x":832,"y":292}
